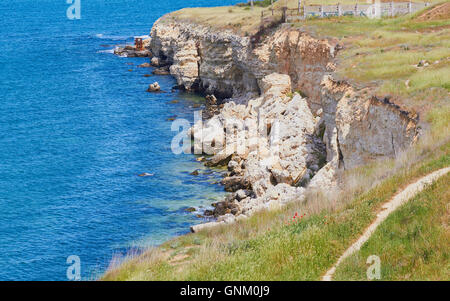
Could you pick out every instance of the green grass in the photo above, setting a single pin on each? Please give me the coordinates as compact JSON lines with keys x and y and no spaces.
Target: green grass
{"x":384,"y":53}
{"x":265,"y":248}
{"x":413,"y":243}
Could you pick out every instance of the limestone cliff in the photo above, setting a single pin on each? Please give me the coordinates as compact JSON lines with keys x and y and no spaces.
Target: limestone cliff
{"x":328,"y":125}
{"x":367,"y":127}
{"x":228,"y":65}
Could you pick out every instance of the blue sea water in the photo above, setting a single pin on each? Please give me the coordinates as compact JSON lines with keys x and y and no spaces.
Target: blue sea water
{"x":76,"y":128}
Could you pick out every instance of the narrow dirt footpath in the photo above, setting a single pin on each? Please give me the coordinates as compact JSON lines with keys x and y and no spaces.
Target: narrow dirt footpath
{"x":389,"y":207}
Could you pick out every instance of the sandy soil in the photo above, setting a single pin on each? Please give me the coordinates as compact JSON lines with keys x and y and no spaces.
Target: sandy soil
{"x":439,"y":12}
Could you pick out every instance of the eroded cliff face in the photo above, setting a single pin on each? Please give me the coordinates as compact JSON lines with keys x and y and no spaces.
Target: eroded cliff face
{"x":327,"y":126}
{"x":366,"y":127}
{"x":204,"y":60}
{"x":228,"y":65}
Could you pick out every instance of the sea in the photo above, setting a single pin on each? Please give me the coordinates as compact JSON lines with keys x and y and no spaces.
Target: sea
{"x":77,"y":128}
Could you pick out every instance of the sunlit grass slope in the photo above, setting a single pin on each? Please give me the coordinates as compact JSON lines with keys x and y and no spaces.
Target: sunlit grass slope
{"x":413,"y":243}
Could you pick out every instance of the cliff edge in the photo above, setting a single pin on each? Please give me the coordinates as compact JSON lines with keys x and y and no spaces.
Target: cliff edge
{"x":323,"y":125}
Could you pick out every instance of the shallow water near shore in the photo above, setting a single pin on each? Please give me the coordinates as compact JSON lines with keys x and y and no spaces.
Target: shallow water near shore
{"x":76,"y":129}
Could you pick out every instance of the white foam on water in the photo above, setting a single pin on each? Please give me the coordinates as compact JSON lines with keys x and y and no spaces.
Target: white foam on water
{"x":106,"y":51}
{"x":112,"y":37}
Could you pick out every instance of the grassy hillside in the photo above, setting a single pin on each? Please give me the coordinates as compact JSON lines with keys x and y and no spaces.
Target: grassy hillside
{"x":244,"y":20}
{"x":406,"y":57}
{"x":276,"y":246}
{"x":413,"y":243}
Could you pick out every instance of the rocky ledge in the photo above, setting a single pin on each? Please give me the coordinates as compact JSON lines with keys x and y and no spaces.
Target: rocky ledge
{"x":131,"y":51}
{"x":314,"y":125}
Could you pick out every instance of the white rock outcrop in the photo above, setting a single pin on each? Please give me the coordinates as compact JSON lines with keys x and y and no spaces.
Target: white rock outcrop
{"x":228,"y":65}
{"x":309,"y":124}
{"x":271,"y":164}
{"x":363,"y":126}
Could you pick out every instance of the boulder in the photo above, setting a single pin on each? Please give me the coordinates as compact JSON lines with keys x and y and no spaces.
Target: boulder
{"x":211,"y":106}
{"x":190,"y":209}
{"x":144,"y":65}
{"x":242,"y":194}
{"x":161,"y":71}
{"x":235,"y":183}
{"x":221,"y":158}
{"x":198,"y":228}
{"x":130,"y":51}
{"x":226,"y":207}
{"x":155,"y":62}
{"x":227,"y":218}
{"x":154,"y":87}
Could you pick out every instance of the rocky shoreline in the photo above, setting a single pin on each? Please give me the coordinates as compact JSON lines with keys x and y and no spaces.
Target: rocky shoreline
{"x":317,"y":124}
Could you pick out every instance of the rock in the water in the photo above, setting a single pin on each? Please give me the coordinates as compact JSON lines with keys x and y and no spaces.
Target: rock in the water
{"x":154,"y":87}
{"x":221,"y":158}
{"x":142,"y":53}
{"x":208,"y":212}
{"x":195,"y":173}
{"x":130,"y":51}
{"x":190,"y":209}
{"x":144,"y":65}
{"x":146,"y":174}
{"x":226,"y":207}
{"x":161,"y":71}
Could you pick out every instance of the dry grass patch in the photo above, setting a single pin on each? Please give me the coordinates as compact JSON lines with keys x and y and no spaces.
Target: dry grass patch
{"x":436,"y":13}
{"x":405,"y":57}
{"x":244,"y":20}
{"x":240,"y":20}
